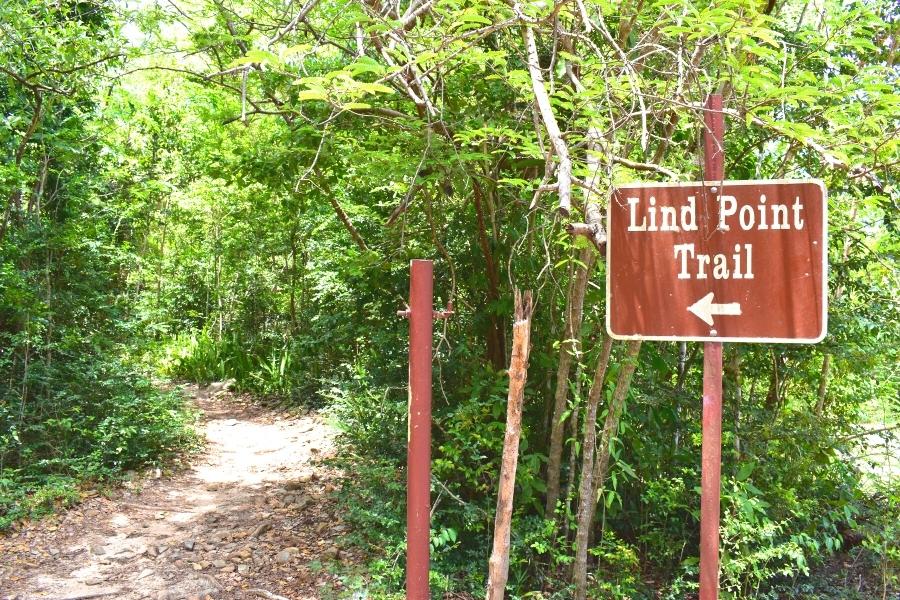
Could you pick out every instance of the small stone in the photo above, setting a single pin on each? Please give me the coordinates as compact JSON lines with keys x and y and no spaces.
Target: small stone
{"x":98,"y":550}
{"x":298,"y":483}
{"x":333,"y":552}
{"x":189,"y":545}
{"x":286,"y":555}
{"x":228,"y":569}
{"x":243,"y":569}
{"x":197,"y":566}
{"x":219,"y":563}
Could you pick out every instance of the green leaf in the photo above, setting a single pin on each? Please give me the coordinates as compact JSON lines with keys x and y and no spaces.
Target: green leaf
{"x":304,"y":95}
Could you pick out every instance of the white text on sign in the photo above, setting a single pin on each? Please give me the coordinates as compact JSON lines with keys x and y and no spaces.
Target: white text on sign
{"x":759,"y":216}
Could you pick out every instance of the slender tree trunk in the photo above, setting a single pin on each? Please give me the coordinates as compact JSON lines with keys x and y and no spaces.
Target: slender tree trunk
{"x":586,"y":500}
{"x":772,"y":396}
{"x":568,"y":351}
{"x":496,"y":342}
{"x":293,"y":282}
{"x":339,"y":211}
{"x":498,"y":565}
{"x":738,"y":397}
{"x":573,"y":454}
{"x":679,"y":387}
{"x":14,"y":202}
{"x":611,"y":426}
{"x":823,"y":385}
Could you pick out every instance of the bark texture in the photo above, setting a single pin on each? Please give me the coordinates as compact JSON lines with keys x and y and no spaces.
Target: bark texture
{"x":586,"y":500}
{"x":498,"y":565}
{"x":568,"y":350}
{"x":601,"y":466}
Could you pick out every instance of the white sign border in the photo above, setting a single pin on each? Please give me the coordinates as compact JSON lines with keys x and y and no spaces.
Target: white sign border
{"x":722,"y":184}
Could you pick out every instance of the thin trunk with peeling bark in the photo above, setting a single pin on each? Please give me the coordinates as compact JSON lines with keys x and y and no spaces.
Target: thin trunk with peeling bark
{"x":568,"y":351}
{"x":586,"y":501}
{"x":498,"y":565}
{"x":573,"y":453}
{"x":611,"y":426}
{"x":823,"y":385}
{"x":738,"y":397}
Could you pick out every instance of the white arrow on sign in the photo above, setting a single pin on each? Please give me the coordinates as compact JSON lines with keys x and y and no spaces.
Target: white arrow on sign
{"x":705,"y":308}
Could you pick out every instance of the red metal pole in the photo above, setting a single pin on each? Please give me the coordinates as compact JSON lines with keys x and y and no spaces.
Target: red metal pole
{"x":418,"y":456}
{"x":710,"y":479}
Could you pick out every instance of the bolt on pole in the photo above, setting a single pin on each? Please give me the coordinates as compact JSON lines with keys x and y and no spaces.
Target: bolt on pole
{"x":711,"y":450}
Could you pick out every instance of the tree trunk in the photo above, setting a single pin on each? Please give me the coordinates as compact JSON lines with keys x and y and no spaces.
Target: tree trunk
{"x":498,"y":565}
{"x":568,"y":351}
{"x":611,"y":426}
{"x":573,"y":454}
{"x":496,"y":342}
{"x":823,"y":385}
{"x":738,"y":397}
{"x":339,"y":211}
{"x":14,"y":202}
{"x":586,"y":500}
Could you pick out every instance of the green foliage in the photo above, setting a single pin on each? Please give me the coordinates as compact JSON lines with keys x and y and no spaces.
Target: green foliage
{"x":73,"y":404}
{"x":247,"y":211}
{"x":882,"y":537}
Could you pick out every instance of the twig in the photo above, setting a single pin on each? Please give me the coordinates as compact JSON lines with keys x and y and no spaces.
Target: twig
{"x":97,"y":594}
{"x":265,"y":594}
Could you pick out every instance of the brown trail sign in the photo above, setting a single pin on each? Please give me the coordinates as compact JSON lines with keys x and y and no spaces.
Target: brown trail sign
{"x":716,"y":261}
{"x":740,"y":261}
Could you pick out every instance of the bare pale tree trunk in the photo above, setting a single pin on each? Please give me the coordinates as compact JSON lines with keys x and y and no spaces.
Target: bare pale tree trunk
{"x":498,"y":565}
{"x":586,"y":501}
{"x":568,"y":351}
{"x":542,"y":99}
{"x":823,"y":385}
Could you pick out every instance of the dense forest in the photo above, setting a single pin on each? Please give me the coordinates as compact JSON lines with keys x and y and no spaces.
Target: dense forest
{"x":210,"y":190}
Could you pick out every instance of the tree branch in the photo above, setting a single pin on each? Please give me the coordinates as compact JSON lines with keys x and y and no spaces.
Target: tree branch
{"x":564,"y":172}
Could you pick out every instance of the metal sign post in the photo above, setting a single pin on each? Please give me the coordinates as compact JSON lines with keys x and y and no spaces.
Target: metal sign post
{"x":421,"y":315}
{"x":711,"y":446}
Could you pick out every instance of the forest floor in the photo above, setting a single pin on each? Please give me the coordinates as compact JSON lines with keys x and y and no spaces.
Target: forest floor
{"x":252,"y":515}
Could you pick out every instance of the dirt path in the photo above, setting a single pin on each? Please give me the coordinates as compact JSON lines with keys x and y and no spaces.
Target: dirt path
{"x":253,"y":512}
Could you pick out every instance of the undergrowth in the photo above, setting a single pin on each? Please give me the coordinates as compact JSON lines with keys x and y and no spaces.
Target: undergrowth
{"x":86,"y":421}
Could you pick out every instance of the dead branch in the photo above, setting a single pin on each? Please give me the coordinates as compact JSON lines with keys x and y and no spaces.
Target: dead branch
{"x":498,"y":565}
{"x":265,"y":594}
{"x":564,"y":172}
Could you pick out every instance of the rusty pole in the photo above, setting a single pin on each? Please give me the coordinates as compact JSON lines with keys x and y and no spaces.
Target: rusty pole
{"x":418,"y":455}
{"x":711,"y":451}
